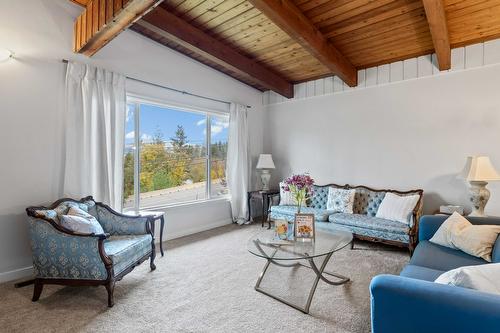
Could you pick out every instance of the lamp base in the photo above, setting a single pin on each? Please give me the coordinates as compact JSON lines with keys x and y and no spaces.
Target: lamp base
{"x":479,"y":196}
{"x":265,"y":177}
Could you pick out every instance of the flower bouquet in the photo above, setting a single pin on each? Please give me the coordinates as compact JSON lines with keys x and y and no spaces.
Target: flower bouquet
{"x":300,"y":187}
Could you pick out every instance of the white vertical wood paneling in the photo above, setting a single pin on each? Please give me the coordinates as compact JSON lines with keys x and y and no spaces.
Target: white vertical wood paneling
{"x":435,"y":65}
{"x":384,"y":74}
{"x":361,"y":78}
{"x":371,"y":76}
{"x":329,"y":85}
{"x":474,"y":55}
{"x":410,"y":69}
{"x":319,"y":87}
{"x":338,"y":85}
{"x":265,"y":96}
{"x":424,"y":65}
{"x":310,"y":88}
{"x":492,"y":52}
{"x":300,"y":90}
{"x":273,"y":98}
{"x":471,"y":56}
{"x":458,"y":59}
{"x":396,"y":71}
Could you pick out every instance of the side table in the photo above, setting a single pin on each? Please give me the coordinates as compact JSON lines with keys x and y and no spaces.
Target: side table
{"x":265,"y":196}
{"x":157,"y":215}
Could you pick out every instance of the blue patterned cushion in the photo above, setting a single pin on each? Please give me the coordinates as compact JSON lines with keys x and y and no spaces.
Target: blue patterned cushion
{"x":48,"y":214}
{"x":320,"y":197}
{"x":60,"y":256}
{"x":366,"y":202}
{"x":364,"y":221}
{"x":126,"y":250}
{"x":288,"y":213}
{"x":121,"y":225}
{"x":340,"y":200}
{"x":327,"y":226}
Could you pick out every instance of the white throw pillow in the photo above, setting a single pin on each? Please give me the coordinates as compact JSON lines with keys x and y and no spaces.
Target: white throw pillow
{"x":458,"y":233}
{"x":340,"y":200}
{"x":481,"y":277}
{"x":452,"y":225}
{"x":80,"y":221}
{"x":397,"y":207}
{"x":287,"y":199}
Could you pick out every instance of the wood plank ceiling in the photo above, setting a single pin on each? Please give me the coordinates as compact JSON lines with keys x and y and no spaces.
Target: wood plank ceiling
{"x":366,"y":32}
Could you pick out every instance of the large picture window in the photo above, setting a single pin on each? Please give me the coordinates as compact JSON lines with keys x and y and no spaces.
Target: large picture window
{"x":170,"y":153}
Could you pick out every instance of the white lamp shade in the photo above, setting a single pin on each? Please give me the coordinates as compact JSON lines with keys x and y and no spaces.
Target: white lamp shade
{"x":265,"y":162}
{"x":479,"y":168}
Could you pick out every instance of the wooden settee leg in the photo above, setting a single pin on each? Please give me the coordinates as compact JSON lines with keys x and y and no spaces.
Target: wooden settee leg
{"x":152,"y":264}
{"x":37,"y":291}
{"x":110,"y":287}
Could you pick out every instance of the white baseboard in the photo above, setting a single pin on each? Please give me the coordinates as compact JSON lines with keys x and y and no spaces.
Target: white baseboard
{"x":28,"y":271}
{"x":187,"y":232}
{"x":16,"y":274}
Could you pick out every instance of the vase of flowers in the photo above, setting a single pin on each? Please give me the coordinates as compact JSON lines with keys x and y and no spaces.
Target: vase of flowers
{"x":300,"y":187}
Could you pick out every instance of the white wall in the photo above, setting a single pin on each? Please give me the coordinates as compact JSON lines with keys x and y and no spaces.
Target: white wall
{"x":410,"y":134}
{"x":31,"y":95}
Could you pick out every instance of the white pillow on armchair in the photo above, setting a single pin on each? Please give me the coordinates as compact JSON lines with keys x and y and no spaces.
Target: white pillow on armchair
{"x":480,"y":277}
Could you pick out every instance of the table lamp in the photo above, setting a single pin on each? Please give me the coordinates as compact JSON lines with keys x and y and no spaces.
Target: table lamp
{"x":265,"y":163}
{"x":478,"y":172}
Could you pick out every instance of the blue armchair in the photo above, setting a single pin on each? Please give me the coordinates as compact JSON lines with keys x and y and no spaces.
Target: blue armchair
{"x":412,"y":302}
{"x":62,"y":256}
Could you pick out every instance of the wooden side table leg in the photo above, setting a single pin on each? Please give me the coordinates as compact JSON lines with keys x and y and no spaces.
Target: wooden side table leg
{"x":162,"y":225}
{"x":263,"y":209}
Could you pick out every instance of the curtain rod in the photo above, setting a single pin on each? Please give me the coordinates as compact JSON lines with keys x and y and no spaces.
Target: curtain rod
{"x":174,"y":90}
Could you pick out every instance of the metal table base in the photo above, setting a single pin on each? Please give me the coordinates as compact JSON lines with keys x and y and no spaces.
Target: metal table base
{"x":320,"y":275}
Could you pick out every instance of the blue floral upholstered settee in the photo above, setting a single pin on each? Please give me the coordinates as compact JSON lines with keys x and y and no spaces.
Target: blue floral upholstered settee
{"x":362,"y":223}
{"x":62,"y":256}
{"x":412,"y":302}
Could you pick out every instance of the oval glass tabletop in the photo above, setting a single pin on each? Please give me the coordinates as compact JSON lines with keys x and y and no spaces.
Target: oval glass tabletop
{"x":263,"y":245}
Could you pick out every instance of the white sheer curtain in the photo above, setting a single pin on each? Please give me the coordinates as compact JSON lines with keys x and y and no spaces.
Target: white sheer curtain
{"x":238,"y":162}
{"x":95,"y":125}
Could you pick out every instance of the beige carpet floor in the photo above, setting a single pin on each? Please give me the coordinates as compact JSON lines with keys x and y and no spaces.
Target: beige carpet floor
{"x":205,"y":284}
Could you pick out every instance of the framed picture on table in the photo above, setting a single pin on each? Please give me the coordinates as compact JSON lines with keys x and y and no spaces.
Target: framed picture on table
{"x":304,"y":227}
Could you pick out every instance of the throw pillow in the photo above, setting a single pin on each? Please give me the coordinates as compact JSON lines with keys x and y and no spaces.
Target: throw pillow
{"x":481,"y":277}
{"x":340,"y":200}
{"x":458,"y":233}
{"x":452,"y":225}
{"x":80,"y":221}
{"x":397,"y":207}
{"x":287,"y":199}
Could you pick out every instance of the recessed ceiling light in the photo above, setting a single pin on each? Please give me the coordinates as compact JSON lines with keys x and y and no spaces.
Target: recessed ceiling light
{"x":5,"y":55}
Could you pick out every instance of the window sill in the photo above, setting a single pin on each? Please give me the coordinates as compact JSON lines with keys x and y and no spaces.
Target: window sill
{"x":185,"y":204}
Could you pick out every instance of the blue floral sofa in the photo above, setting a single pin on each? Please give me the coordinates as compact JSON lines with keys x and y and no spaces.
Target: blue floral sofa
{"x":62,"y":256}
{"x":362,"y":223}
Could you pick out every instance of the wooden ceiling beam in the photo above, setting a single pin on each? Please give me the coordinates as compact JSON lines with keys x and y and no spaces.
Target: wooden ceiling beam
{"x":168,"y":25}
{"x":436,"y":17}
{"x":290,"y":19}
{"x":82,"y":3}
{"x":103,"y":20}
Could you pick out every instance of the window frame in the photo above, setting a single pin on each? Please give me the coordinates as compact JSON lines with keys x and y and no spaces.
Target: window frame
{"x":137,"y":100}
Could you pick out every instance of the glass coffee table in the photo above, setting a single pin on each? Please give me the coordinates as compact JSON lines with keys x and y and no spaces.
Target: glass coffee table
{"x":314,"y":256}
